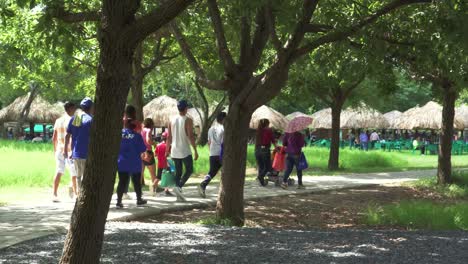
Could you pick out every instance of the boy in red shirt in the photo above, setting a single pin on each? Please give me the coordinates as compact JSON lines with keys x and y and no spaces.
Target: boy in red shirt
{"x":162,"y":160}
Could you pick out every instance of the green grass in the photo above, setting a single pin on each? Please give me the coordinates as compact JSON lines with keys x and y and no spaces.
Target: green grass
{"x":420,"y":215}
{"x":458,"y":189}
{"x":427,"y":214}
{"x":33,"y":165}
{"x":214,"y":221}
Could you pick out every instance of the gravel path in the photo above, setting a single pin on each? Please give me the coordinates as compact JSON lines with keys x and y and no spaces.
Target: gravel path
{"x":158,"y":243}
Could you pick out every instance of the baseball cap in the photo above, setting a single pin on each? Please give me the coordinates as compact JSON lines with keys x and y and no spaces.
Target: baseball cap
{"x":182,"y":105}
{"x":164,"y":134}
{"x":86,"y":103}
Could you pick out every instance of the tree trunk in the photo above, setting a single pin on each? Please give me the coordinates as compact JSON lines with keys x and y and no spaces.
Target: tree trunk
{"x":34,"y":91}
{"x":203,"y":139}
{"x":444,"y":171}
{"x":333,"y":160}
{"x":231,"y":193}
{"x":85,"y":236}
{"x":137,"y":82}
{"x":31,"y":129}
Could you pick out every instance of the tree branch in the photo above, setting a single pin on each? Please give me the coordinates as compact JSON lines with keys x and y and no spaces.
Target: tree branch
{"x":341,"y":34}
{"x":271,"y":21}
{"x":260,"y":38}
{"x":245,"y":52}
{"x":353,"y":86}
{"x":196,"y":68}
{"x":308,"y":9}
{"x":156,"y":19}
{"x":60,"y":13}
{"x":316,"y":28}
{"x":223,"y":49}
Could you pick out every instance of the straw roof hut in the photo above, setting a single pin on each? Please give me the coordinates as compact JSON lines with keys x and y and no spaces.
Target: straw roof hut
{"x":392,"y":117}
{"x":322,"y":119}
{"x":427,"y":117}
{"x":462,"y":114}
{"x":362,"y":117}
{"x":40,"y":111}
{"x":294,"y":115}
{"x":197,"y":119}
{"x":277,"y":120}
{"x":161,"y":110}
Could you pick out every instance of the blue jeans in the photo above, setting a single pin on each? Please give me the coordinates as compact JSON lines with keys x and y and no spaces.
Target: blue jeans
{"x":263,"y":157}
{"x":179,"y":164}
{"x":291,"y":161}
{"x":365,"y":146}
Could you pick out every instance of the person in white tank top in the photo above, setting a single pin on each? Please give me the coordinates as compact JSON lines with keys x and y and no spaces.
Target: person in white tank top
{"x":180,"y":137}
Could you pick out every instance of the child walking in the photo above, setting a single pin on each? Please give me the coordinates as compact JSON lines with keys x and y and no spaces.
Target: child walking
{"x":162,"y":162}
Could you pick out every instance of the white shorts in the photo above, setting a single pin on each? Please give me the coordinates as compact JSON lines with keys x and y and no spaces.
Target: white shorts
{"x":61,"y":163}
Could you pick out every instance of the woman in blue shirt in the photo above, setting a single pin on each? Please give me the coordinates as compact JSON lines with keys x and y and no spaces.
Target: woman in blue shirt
{"x":129,"y":162}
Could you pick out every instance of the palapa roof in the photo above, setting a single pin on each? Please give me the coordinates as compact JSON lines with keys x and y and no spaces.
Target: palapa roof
{"x":277,"y":120}
{"x":361,"y":117}
{"x":392,"y":117}
{"x":40,"y":111}
{"x":294,"y":115}
{"x":197,"y":119}
{"x":163,"y":108}
{"x":427,"y":117}
{"x":462,"y":114}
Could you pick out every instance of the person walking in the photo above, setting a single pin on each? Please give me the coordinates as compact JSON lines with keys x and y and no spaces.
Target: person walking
{"x":215,"y":141}
{"x":78,"y":131}
{"x":264,"y":139}
{"x":129,"y":162}
{"x":352,"y":139}
{"x":62,"y":161}
{"x":180,"y":137}
{"x":364,"y":140}
{"x":162,"y":162}
{"x":148,"y":156}
{"x":374,"y":137}
{"x":294,"y":142}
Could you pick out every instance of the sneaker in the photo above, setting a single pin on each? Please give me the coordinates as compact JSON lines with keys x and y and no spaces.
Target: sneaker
{"x":300,"y":187}
{"x":70,"y":192}
{"x":168,"y":193}
{"x":126,"y":196}
{"x":119,"y":205}
{"x":180,"y":197}
{"x":55,"y":199}
{"x":141,"y":202}
{"x":201,"y":191}
{"x":261,"y":182}
{"x":284,"y":186}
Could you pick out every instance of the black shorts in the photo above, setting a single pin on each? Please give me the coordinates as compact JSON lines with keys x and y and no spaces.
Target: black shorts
{"x":159,"y":173}
{"x":151,"y":161}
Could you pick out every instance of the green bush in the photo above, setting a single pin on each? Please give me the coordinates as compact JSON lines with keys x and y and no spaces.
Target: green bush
{"x":419,"y":215}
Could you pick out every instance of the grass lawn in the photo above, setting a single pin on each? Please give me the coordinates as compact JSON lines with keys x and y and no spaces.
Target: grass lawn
{"x":448,"y":212}
{"x":27,"y":166}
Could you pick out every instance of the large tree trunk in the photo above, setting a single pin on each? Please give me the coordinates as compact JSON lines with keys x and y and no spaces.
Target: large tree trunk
{"x":333,"y":160}
{"x":444,"y":171}
{"x":34,"y":91}
{"x":137,"y":82}
{"x":231,"y":193}
{"x":203,"y":139}
{"x":85,"y":236}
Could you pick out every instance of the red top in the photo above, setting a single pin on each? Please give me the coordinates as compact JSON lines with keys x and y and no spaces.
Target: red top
{"x":161,"y":155}
{"x":267,"y":137}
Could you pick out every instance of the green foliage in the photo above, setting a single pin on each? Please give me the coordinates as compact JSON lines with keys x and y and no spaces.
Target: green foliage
{"x":458,"y":189}
{"x":215,"y":221}
{"x":419,"y":215}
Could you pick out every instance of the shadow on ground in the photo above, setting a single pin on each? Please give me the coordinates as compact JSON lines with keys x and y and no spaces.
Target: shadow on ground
{"x":160,"y":243}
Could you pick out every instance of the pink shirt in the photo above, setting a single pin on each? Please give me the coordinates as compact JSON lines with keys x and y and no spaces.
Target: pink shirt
{"x":144,"y":134}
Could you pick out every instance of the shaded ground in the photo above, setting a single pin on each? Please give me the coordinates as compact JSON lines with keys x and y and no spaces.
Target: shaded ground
{"x":325,"y":210}
{"x":159,"y":243}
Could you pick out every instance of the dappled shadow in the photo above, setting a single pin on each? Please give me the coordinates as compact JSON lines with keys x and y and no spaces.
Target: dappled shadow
{"x":153,"y":243}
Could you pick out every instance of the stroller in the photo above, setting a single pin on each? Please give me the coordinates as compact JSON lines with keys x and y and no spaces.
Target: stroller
{"x":278,"y":165}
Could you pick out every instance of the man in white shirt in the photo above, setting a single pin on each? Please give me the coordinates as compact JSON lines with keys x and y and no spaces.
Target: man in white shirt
{"x":215,"y":141}
{"x":58,"y":138}
{"x":180,"y":138}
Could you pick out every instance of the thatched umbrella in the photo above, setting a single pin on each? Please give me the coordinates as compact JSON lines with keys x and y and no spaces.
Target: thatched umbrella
{"x":322,"y":119}
{"x":462,"y":113}
{"x":392,"y":117}
{"x":277,"y":120}
{"x":161,"y":109}
{"x":427,"y":117}
{"x":363,"y":117}
{"x":294,"y":115}
{"x":40,"y":111}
